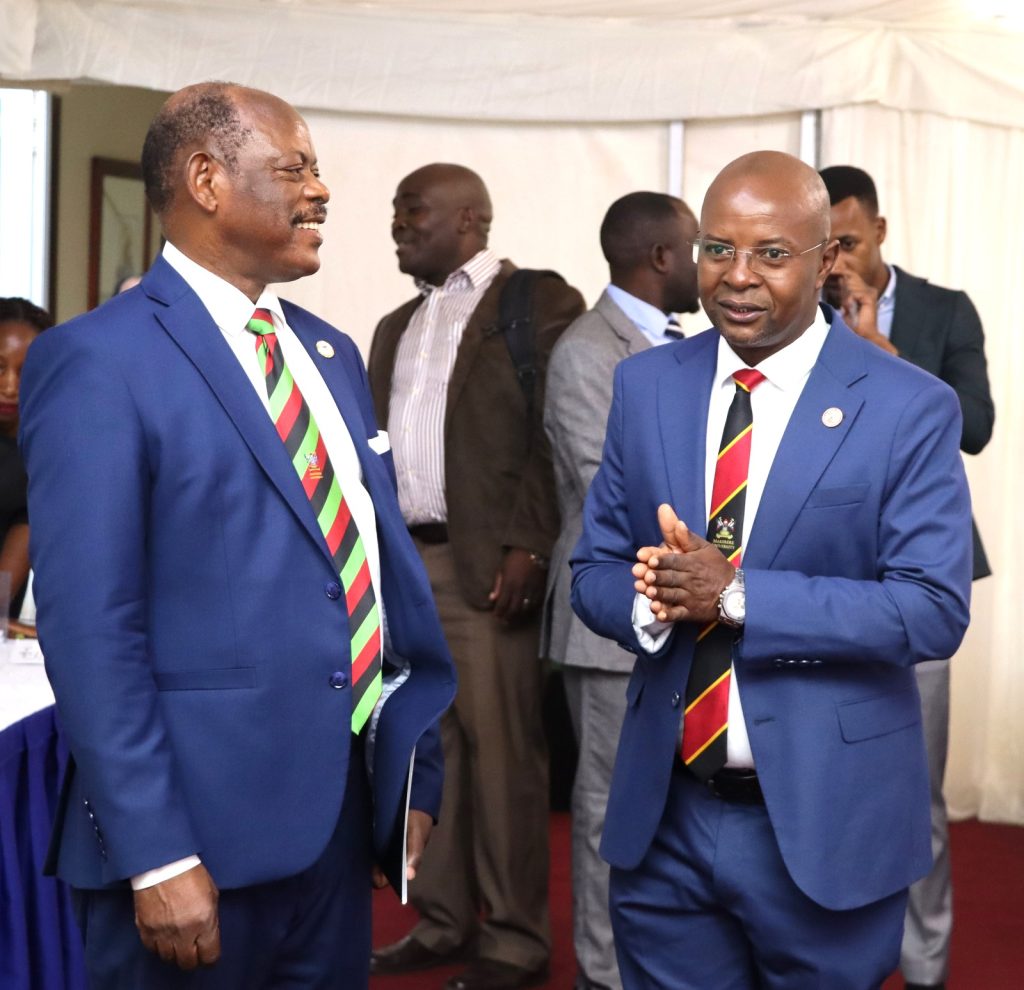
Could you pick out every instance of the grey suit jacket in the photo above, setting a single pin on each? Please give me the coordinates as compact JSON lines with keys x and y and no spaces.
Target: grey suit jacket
{"x":576,"y":405}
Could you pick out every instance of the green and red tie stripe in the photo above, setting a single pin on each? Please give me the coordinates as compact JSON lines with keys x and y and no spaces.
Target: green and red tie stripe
{"x":301,"y":437}
{"x":706,"y":718}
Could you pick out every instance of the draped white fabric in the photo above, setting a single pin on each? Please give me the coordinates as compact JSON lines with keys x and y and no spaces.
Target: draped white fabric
{"x":951,"y":191}
{"x":558,"y":62}
{"x":550,"y":186}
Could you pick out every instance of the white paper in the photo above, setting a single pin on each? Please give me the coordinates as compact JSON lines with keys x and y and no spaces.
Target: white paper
{"x":405,"y":832}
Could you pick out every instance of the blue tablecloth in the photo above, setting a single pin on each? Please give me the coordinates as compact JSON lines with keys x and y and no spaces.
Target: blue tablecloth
{"x":40,"y":945}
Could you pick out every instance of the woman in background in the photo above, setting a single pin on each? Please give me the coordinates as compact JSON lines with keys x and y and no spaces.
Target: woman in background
{"x":20,"y":323}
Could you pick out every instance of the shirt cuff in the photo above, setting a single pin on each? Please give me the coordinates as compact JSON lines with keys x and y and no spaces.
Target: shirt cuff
{"x":650,"y":632}
{"x":152,"y":877}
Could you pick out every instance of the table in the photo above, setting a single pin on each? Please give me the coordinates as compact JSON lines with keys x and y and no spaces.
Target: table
{"x":40,"y":945}
{"x":24,"y":688}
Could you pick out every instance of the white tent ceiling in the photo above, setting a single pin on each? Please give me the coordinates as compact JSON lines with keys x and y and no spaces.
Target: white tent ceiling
{"x":541,"y":60}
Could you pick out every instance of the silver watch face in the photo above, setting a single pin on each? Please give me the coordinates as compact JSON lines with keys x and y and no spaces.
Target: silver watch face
{"x":734,"y":604}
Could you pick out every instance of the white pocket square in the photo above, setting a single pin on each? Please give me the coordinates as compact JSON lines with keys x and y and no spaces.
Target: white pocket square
{"x":380,"y":443}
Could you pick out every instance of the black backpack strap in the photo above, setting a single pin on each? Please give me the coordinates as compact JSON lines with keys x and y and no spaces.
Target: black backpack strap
{"x":515,"y":321}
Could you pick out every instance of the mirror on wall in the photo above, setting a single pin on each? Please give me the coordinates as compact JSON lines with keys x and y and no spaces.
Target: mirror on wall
{"x":124,"y":236}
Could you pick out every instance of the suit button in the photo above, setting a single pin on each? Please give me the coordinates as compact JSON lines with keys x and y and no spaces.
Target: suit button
{"x":675,"y":699}
{"x":333,"y":590}
{"x":339,"y":679}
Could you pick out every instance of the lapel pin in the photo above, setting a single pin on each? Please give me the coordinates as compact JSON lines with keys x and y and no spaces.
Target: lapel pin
{"x":324,"y":349}
{"x":832,"y":416}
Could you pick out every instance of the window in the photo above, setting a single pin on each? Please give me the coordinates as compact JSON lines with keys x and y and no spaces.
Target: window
{"x":24,"y":194}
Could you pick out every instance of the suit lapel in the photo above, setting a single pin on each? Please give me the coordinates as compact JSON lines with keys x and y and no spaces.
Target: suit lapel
{"x":808,"y":445}
{"x":633,"y":340}
{"x":187,"y":321}
{"x":906,"y":309}
{"x":684,"y":391}
{"x":335,"y":373}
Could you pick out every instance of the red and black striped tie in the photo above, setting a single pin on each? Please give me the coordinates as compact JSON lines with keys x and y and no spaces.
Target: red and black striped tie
{"x":301,"y":437}
{"x":706,"y":720}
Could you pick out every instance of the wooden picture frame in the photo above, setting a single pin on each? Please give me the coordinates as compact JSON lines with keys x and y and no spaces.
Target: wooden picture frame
{"x":124,"y":235}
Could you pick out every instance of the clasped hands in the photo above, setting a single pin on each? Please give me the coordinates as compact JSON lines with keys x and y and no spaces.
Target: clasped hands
{"x":684,"y":577}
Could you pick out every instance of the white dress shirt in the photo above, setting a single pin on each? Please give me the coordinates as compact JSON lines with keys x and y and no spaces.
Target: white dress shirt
{"x":887,"y":306}
{"x":419,"y":385}
{"x":772,"y":403}
{"x":231,"y":310}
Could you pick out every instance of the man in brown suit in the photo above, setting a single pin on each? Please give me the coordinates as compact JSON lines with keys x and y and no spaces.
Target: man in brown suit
{"x":476,"y":488}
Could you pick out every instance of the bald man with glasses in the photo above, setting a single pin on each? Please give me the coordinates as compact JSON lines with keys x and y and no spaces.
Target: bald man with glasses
{"x":779,"y":530}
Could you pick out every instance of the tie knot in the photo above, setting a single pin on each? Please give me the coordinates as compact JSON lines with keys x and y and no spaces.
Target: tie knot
{"x":748,"y":379}
{"x":262,"y":322}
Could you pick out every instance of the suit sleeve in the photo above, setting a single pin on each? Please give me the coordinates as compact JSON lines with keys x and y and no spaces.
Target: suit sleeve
{"x":578,"y":397}
{"x":964,"y":370}
{"x":88,"y":464}
{"x":918,"y":607}
{"x":602,"y":578}
{"x":533,"y":523}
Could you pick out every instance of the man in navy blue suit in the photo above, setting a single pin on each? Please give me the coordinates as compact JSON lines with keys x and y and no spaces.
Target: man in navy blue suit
{"x":239,"y":633}
{"x":770,"y":841}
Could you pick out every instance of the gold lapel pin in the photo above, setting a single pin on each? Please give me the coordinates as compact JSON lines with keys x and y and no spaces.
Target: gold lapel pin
{"x":832,"y":416}
{"x":324,"y":349}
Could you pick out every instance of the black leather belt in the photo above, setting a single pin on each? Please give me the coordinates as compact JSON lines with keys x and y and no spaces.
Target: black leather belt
{"x":430,"y":532}
{"x":736,"y":784}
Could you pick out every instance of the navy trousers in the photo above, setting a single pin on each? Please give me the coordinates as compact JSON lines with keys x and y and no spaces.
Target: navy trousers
{"x":712,"y":907}
{"x":310,"y":931}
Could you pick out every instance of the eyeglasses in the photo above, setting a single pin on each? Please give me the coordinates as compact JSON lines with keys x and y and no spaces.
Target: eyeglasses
{"x":768,"y":261}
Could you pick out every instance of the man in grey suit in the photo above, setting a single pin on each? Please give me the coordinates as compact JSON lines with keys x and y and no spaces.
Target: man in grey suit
{"x":938,"y":330}
{"x":647,"y":240}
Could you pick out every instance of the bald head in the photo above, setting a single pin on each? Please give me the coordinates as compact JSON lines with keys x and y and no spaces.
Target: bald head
{"x":778,"y":176}
{"x":765,"y":252}
{"x":442,"y":218}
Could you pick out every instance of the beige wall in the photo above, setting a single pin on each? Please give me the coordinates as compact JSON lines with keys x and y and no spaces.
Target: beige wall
{"x":104,"y":121}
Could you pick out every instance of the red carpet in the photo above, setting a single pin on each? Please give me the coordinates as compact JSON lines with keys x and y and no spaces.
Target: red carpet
{"x":988,"y":937}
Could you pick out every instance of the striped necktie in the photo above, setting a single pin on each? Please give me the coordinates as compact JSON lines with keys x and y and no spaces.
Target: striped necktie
{"x":706,"y":720}
{"x":301,"y":437}
{"x":673,"y":330}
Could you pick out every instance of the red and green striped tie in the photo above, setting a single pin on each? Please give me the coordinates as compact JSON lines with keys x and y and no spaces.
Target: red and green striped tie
{"x":706,"y":720}
{"x":301,"y":437}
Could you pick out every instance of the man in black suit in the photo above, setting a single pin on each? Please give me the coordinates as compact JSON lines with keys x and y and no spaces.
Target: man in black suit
{"x":938,"y":330}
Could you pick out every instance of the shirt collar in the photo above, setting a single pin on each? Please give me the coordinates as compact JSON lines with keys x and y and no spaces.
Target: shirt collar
{"x":888,"y":297}
{"x":230,"y":308}
{"x":479,"y":270}
{"x":648,"y":319}
{"x":787,"y":368}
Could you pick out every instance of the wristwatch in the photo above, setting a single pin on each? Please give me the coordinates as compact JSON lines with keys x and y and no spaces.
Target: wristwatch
{"x":732,"y":602}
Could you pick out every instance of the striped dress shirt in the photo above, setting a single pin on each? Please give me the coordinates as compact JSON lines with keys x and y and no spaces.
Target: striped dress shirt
{"x":419,"y":385}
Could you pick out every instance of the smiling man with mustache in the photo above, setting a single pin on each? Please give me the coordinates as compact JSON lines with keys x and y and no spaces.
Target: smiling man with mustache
{"x":217,"y":540}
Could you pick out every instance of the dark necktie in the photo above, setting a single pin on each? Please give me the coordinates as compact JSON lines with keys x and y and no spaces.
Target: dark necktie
{"x":706,"y":720}
{"x":673,"y":330}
